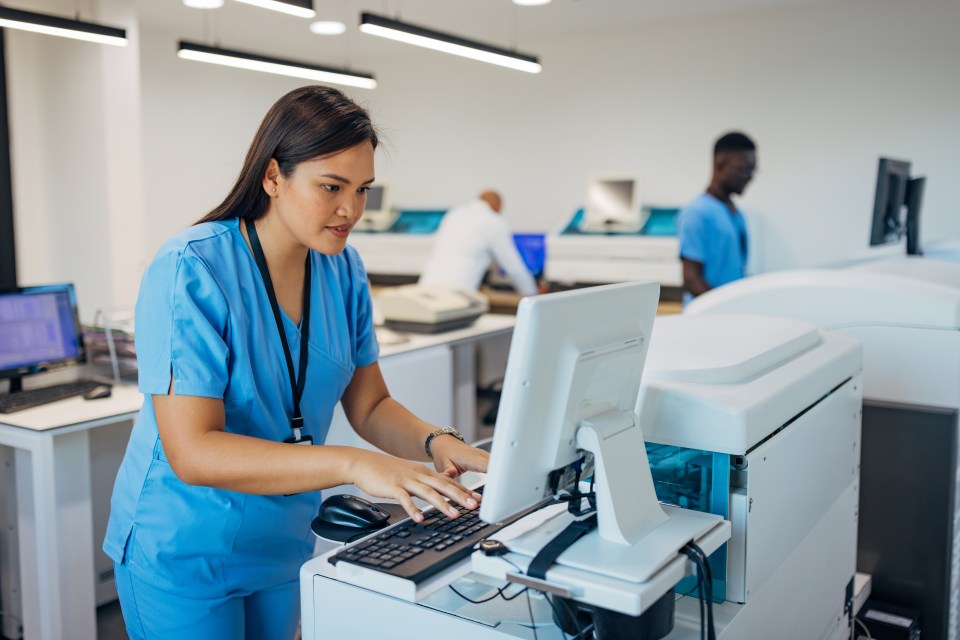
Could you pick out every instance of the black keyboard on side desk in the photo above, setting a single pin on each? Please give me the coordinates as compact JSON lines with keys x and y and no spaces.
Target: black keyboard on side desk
{"x":417,"y":551}
{"x":12,"y":402}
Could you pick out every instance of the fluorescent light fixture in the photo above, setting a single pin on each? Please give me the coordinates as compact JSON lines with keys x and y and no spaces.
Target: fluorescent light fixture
{"x":254,"y":62}
{"x":412,"y":34}
{"x":531,"y":3}
{"x":327,"y":27}
{"x":203,"y":4}
{"x":63,"y":27}
{"x":299,"y":8}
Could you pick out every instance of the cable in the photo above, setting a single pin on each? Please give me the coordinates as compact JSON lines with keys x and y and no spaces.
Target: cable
{"x":499,"y":593}
{"x":864,"y":627}
{"x":704,"y":562}
{"x":533,"y":624}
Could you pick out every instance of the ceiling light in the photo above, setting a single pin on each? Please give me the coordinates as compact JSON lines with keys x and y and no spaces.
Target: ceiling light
{"x":412,"y":34}
{"x":55,"y":26}
{"x":203,"y":4}
{"x":299,"y":8}
{"x":531,"y":3}
{"x":255,"y":62}
{"x":327,"y":27}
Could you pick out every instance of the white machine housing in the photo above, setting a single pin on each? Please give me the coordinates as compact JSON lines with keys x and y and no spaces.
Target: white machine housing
{"x":906,"y":313}
{"x":397,"y":256}
{"x":782,"y":397}
{"x":600,"y":259}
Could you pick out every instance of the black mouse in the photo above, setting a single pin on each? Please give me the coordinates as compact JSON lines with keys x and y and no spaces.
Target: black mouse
{"x":100,"y":391}
{"x":349,"y":514}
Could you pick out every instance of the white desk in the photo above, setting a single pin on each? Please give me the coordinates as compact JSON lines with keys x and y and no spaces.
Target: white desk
{"x":53,"y":514}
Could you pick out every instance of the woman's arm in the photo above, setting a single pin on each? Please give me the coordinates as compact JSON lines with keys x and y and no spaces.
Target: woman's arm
{"x":388,"y":425}
{"x":201,"y":452}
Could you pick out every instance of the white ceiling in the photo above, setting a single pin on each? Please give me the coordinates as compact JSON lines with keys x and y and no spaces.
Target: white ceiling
{"x":496,"y":22}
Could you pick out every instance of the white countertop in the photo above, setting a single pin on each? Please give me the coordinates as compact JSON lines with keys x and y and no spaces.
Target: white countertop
{"x":487,"y":324}
{"x":126,"y":399}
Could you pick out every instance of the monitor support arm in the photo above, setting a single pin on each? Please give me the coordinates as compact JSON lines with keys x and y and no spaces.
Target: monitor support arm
{"x":627,"y":506}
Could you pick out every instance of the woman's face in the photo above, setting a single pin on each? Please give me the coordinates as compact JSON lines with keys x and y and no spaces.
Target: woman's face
{"x":323,"y":198}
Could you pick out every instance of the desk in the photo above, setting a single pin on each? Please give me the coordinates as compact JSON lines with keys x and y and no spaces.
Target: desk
{"x":53,"y":513}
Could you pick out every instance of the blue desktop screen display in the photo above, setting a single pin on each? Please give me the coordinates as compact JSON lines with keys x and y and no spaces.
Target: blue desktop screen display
{"x":37,"y":327}
{"x":533,"y":250}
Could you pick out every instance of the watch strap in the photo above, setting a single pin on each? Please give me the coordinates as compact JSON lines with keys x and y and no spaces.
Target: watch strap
{"x":446,"y":431}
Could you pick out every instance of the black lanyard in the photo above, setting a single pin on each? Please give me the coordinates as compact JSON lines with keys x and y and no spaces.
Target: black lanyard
{"x":296,"y":380}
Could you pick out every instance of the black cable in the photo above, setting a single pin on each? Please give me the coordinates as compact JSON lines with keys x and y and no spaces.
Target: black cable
{"x":533,"y":624}
{"x":708,"y":573}
{"x":558,"y":617}
{"x":688,"y":551}
{"x":703,"y":565}
{"x":499,"y":593}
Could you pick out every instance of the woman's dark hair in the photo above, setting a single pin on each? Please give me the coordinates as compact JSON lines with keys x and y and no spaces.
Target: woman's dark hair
{"x":307,"y":123}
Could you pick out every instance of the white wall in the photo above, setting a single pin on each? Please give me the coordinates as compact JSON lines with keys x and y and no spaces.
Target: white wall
{"x":74,"y":113}
{"x":824,"y":89}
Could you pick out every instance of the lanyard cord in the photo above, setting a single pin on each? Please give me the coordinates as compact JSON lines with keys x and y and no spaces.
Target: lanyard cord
{"x":296,"y":380}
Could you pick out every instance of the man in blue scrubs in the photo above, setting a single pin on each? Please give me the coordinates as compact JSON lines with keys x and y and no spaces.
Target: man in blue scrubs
{"x":713,"y":234}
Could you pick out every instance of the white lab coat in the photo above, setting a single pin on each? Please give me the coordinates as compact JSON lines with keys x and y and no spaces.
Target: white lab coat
{"x":468,"y":237}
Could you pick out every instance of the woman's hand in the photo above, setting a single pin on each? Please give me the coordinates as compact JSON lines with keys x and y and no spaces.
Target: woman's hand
{"x":452,"y":457}
{"x":384,"y":476}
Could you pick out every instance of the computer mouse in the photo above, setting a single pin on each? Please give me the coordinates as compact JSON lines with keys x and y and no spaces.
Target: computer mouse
{"x":101,"y":391}
{"x":346,"y":510}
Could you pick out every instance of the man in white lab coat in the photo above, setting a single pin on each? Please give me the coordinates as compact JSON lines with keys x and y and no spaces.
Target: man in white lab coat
{"x":469,"y":236}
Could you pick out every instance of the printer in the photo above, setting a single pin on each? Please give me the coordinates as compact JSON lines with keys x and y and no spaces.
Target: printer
{"x":429,"y":309}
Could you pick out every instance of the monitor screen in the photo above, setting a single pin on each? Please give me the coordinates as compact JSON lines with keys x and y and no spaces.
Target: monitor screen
{"x":533,"y":249}
{"x":612,"y":205}
{"x":574,"y":367}
{"x":377,"y":214}
{"x":39,"y":330}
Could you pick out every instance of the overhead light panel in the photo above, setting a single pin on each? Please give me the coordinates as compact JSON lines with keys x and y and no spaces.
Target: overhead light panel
{"x":255,"y":62}
{"x":328,"y":27}
{"x":299,"y":8}
{"x":63,"y":27}
{"x":422,"y":37}
{"x":531,"y":3}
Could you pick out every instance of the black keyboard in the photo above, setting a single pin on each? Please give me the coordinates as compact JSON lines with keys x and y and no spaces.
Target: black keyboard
{"x":11,"y":402}
{"x":417,"y":551}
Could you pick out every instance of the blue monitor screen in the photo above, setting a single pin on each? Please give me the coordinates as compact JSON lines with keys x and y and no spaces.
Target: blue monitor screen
{"x":533,"y":250}
{"x":38,"y":326}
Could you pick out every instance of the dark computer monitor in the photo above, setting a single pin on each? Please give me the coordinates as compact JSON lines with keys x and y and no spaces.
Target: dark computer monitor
{"x":896,"y":206}
{"x":39,"y":331}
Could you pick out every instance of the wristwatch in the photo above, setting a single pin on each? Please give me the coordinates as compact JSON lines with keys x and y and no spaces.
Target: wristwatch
{"x":446,"y":431}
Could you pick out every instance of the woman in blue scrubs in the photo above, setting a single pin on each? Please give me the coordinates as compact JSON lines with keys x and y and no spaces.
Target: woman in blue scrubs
{"x":250,"y":327}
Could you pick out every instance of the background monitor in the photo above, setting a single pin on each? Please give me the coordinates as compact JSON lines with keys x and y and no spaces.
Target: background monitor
{"x":575,"y":363}
{"x":377,"y":215}
{"x":39,"y":330}
{"x":612,"y":206}
{"x":896,"y":205}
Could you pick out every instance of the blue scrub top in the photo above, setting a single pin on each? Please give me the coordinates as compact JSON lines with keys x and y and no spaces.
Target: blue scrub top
{"x":204,"y":318}
{"x":713,"y":236}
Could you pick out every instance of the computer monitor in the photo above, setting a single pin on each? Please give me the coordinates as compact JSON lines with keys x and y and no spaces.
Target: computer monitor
{"x":570,"y":389}
{"x":612,"y":206}
{"x":377,"y":215}
{"x":896,"y":206}
{"x":39,"y":331}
